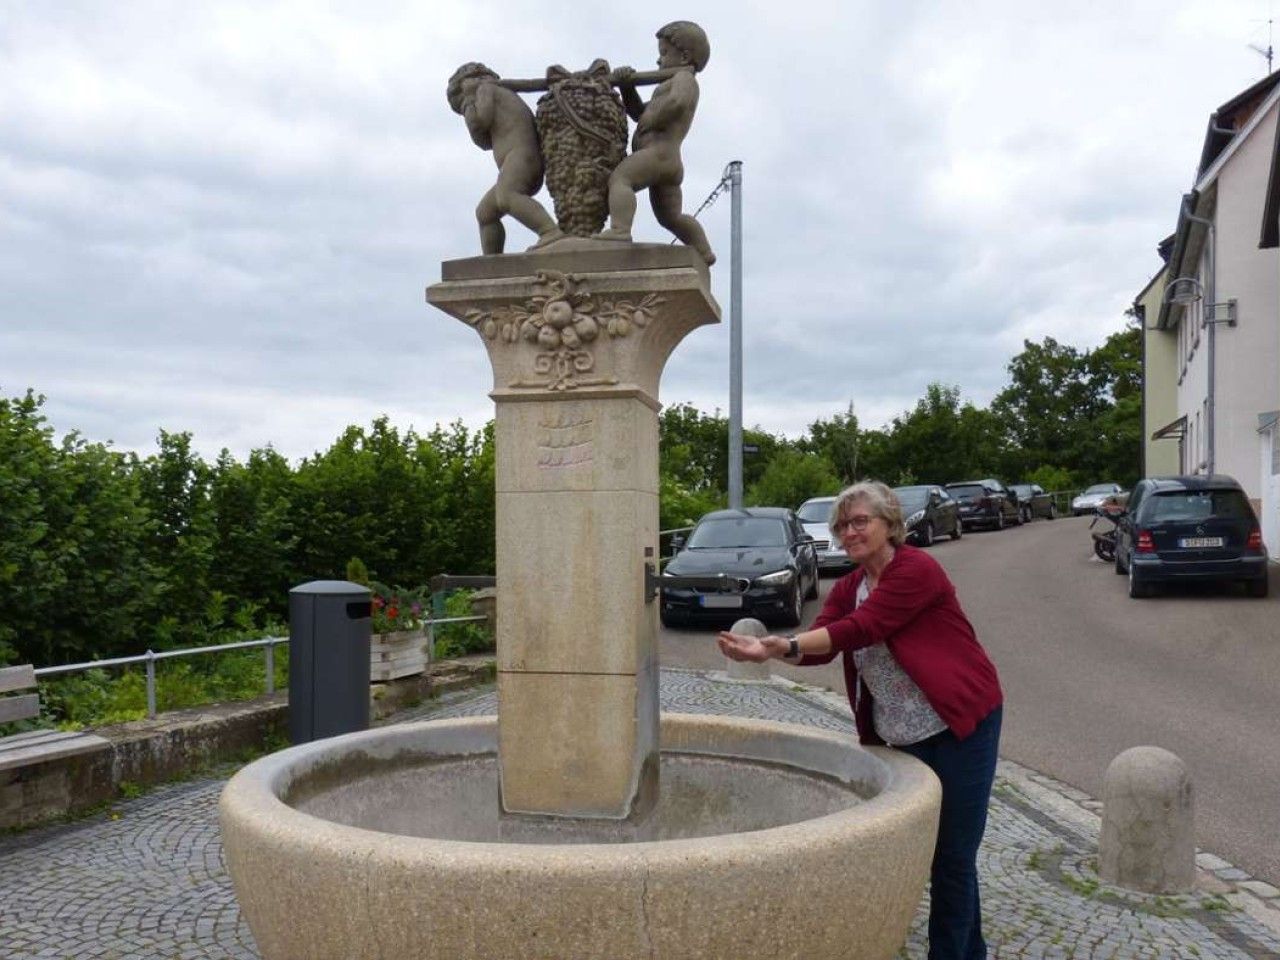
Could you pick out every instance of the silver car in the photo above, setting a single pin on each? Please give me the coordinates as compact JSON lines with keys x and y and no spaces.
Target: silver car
{"x":814,"y":515}
{"x":1092,"y":499}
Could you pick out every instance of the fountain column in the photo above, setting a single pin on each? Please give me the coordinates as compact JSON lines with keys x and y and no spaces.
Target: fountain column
{"x":577,"y":339}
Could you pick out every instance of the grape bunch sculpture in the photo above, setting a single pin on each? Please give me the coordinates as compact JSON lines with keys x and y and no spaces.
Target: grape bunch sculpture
{"x":582,"y":131}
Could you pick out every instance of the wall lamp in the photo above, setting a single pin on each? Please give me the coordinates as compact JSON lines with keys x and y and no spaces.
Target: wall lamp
{"x":1188,"y":290}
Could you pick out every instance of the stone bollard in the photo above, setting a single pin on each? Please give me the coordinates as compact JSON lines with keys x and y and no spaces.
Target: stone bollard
{"x":741,"y":670}
{"x":1148,"y":838}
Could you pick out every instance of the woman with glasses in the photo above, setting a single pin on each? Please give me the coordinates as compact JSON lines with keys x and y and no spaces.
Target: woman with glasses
{"x":918,"y":680}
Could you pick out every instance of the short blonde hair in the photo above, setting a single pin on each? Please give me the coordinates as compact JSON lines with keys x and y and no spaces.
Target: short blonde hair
{"x":880,"y":500}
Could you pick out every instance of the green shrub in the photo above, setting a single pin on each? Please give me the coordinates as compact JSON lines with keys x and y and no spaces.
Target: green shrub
{"x":461,"y":639}
{"x":101,"y":696}
{"x":357,"y":572}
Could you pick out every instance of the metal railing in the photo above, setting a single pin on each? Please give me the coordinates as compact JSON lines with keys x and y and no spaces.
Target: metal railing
{"x":268,"y":644}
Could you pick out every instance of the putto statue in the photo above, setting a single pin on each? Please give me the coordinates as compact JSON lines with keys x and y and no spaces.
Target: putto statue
{"x":500,"y":121}
{"x":579,"y":140}
{"x":661,"y":127}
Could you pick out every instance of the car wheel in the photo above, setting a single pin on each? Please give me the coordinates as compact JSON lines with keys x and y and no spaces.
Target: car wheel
{"x":958,"y":531}
{"x":1120,"y":570}
{"x":926,"y":534}
{"x":1257,"y":588}
{"x":1053,"y":512}
{"x":1000,"y":520}
{"x":1137,"y":589}
{"x":795,"y":607}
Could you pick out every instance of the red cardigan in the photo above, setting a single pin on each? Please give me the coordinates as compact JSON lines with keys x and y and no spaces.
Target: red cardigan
{"x":914,"y":612}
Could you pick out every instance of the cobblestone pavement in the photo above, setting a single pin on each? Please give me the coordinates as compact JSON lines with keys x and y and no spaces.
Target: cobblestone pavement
{"x":147,"y":882}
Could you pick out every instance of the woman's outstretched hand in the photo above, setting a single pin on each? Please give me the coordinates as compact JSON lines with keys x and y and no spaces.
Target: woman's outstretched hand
{"x":741,"y":646}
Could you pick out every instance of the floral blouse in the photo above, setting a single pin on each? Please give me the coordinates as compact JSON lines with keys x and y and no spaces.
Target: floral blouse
{"x":899,"y":709}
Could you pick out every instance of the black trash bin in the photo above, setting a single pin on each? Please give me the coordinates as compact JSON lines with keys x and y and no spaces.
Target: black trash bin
{"x":330,"y":627}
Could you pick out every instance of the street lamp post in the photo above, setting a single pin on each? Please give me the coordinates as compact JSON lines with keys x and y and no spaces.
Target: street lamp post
{"x":735,"y":335}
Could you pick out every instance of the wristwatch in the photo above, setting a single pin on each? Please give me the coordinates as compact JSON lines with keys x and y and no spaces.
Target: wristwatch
{"x":793,"y":646}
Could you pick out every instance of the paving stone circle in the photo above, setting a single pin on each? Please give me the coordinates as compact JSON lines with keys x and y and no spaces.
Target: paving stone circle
{"x":146,"y":881}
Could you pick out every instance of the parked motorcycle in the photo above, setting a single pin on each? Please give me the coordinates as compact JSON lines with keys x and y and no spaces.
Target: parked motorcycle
{"x":1104,"y":541}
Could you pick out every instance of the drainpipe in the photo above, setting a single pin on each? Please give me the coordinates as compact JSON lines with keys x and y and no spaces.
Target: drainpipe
{"x":1210,"y":291}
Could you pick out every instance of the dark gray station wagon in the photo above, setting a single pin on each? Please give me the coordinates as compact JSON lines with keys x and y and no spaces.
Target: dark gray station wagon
{"x":1190,"y":528}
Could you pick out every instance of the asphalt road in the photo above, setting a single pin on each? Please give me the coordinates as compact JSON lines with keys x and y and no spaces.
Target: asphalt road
{"x":1088,"y":673}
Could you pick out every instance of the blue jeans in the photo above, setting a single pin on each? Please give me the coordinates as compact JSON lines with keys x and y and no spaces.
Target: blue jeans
{"x":967,"y":769}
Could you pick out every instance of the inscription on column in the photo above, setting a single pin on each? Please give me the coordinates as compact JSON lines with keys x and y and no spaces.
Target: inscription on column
{"x":565,"y":439}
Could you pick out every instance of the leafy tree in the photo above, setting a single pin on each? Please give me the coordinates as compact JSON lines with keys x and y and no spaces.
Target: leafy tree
{"x":175,"y":485}
{"x":1051,"y":479}
{"x":74,"y":577}
{"x":942,"y":440}
{"x":838,"y":440}
{"x":464,"y":528}
{"x":693,"y":457}
{"x":678,"y":506}
{"x":1078,"y":410}
{"x":1116,"y":367}
{"x":253,"y":537}
{"x":791,"y":478}
{"x":693,"y":448}
{"x":408,"y":506}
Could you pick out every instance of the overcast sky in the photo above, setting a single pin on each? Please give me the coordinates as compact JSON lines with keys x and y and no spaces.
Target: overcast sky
{"x":220,"y":217}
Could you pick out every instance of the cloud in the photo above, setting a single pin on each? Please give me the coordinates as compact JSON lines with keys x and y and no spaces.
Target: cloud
{"x":221,"y":217}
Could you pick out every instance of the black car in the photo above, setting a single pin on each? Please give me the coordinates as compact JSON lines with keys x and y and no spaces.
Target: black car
{"x":1190,"y":528}
{"x":1033,"y":501}
{"x":755,"y":562}
{"x":985,"y":503}
{"x":928,"y":512}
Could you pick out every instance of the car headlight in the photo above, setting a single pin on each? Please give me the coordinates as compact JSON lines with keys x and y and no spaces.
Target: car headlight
{"x":915,"y":518}
{"x":775,"y":579}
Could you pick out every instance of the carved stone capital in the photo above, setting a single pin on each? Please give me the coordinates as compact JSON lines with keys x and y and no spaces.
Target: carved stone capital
{"x":607,"y":328}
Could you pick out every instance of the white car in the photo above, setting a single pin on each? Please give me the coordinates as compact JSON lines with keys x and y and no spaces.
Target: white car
{"x":813,"y":516}
{"x":1092,"y":499}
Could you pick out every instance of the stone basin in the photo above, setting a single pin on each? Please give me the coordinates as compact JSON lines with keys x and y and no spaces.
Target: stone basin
{"x":772,"y":840}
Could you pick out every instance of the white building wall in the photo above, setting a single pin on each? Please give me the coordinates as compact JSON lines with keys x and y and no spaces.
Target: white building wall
{"x":1248,"y":355}
{"x":1269,"y":448}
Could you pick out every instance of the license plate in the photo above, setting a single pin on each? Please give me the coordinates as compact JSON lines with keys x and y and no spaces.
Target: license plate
{"x":1194,"y":543}
{"x":722,"y":601}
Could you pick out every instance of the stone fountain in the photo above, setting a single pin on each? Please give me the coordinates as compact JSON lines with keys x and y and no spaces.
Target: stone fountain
{"x":578,"y":823}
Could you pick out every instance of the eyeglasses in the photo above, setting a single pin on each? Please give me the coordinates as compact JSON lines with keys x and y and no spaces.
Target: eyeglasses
{"x":858,"y":523}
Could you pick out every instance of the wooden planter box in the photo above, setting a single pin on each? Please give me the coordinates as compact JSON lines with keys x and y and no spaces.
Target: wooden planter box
{"x":396,"y":655}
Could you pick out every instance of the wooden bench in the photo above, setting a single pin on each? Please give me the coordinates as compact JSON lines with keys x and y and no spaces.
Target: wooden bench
{"x":35,"y":746}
